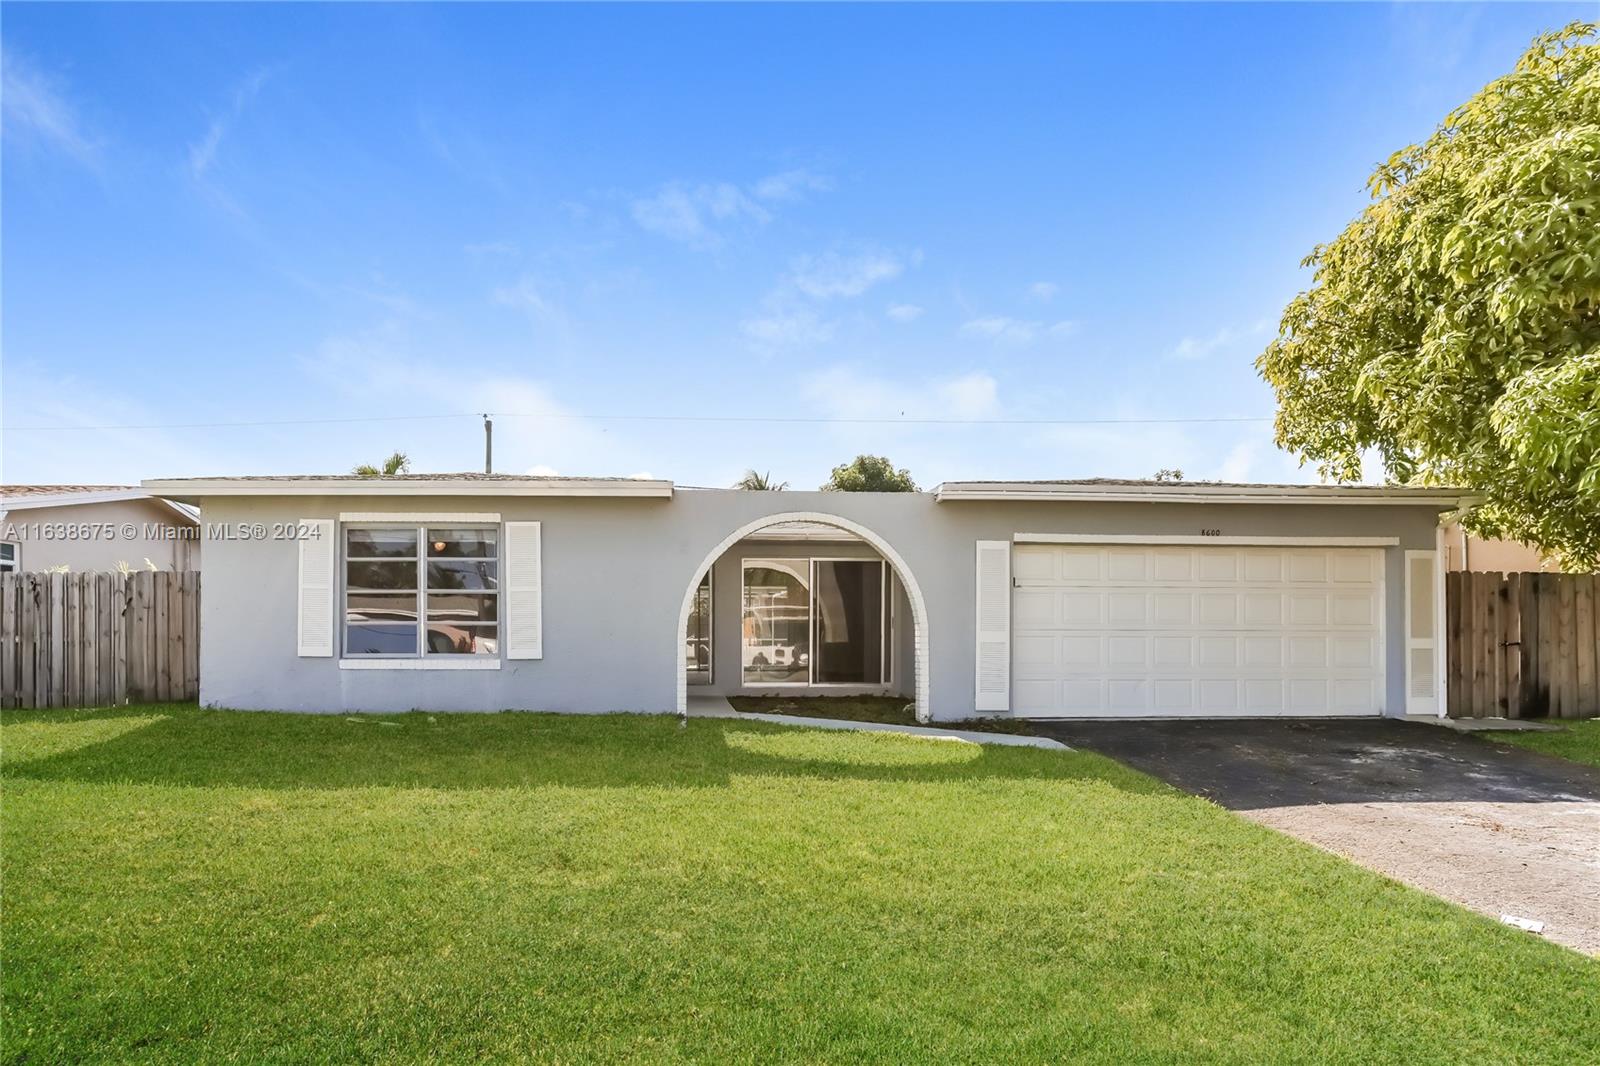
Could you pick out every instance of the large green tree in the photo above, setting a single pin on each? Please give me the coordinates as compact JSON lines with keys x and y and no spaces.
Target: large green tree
{"x":1454,"y":328}
{"x":869,"y":473}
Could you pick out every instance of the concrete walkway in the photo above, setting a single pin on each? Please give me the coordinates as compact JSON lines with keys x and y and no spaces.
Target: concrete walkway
{"x":1498,"y":829}
{"x":719,"y":707}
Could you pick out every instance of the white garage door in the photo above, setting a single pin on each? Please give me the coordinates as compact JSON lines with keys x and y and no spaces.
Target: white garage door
{"x":1218,"y":631}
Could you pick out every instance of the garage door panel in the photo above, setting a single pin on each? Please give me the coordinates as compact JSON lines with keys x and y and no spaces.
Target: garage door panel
{"x":1353,"y":568}
{"x":1351,"y":609}
{"x":1262,"y":653}
{"x":1263,"y":567}
{"x":1197,"y":630}
{"x":1034,"y":608}
{"x":1217,"y":608}
{"x":1035,"y":650}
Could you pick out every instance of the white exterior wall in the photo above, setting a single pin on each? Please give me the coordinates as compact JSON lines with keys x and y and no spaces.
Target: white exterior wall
{"x":616,"y":573}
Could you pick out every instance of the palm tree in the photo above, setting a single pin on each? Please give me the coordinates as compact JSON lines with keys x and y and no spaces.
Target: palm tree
{"x":398,"y":463}
{"x":754,"y":482}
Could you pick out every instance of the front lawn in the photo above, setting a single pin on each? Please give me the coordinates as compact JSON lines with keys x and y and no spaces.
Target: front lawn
{"x":186,"y":885}
{"x":1579,"y":740}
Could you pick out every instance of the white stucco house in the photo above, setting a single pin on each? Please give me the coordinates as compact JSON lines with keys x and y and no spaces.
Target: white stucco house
{"x":95,"y":528}
{"x":1097,"y":598}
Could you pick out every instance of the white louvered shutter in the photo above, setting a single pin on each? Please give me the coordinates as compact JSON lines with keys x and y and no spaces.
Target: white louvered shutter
{"x":524,"y":584}
{"x":1422,"y":633}
{"x":318,"y":550}
{"x":994,"y":626}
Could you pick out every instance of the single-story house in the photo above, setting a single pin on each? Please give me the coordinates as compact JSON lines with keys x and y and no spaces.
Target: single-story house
{"x":95,"y":528}
{"x":1097,"y":598}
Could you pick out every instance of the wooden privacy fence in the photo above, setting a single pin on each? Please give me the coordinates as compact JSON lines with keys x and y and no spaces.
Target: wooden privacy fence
{"x":1523,"y":645}
{"x":95,"y":640}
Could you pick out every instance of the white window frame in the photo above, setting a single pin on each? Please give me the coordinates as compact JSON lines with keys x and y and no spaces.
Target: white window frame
{"x":885,"y":623}
{"x":420,"y":657}
{"x":12,"y":565}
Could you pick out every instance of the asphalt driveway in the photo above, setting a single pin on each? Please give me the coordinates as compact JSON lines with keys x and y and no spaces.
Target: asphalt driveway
{"x":1495,"y":828}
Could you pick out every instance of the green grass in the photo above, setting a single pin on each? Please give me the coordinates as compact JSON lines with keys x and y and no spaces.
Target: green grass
{"x":889,"y":710}
{"x":185,"y":885}
{"x":1579,"y":740}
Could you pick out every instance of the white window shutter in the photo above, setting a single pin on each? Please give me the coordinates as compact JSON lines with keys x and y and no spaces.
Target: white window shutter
{"x":318,"y":550}
{"x":994,"y":626}
{"x":524,"y":584}
{"x":1422,"y":633}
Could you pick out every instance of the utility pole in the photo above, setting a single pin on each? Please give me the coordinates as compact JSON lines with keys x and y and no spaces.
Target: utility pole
{"x":488,"y":444}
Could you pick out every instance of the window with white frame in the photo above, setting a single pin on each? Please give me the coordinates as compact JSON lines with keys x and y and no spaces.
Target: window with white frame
{"x":816,"y":622}
{"x":10,"y":557}
{"x":418,"y":590}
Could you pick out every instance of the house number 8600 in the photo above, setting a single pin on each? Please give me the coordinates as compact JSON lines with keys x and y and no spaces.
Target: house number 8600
{"x":1211,"y":532}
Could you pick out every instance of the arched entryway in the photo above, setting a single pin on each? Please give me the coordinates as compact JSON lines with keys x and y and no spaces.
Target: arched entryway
{"x":919,"y":609}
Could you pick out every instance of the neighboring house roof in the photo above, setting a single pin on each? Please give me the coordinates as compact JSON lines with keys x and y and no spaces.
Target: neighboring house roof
{"x":1101,"y":488}
{"x":33,"y":497}
{"x":10,"y":491}
{"x":459,"y":484}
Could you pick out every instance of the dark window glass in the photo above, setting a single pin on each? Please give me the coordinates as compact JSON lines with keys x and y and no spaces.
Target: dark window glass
{"x":461,"y":543}
{"x":393,"y":576}
{"x":456,"y":574}
{"x":380,"y":543}
{"x":381,"y":607}
{"x":368,"y":639}
{"x":462,"y":607}
{"x":849,"y":614}
{"x":452,"y":639}
{"x":697,"y":649}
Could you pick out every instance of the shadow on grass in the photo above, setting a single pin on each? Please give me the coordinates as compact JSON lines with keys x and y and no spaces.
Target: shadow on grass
{"x":188,"y":746}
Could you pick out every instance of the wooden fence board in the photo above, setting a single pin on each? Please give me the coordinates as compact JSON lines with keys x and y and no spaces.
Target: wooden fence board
{"x":1522,"y":645}
{"x":95,"y":640}
{"x":1587,"y":701}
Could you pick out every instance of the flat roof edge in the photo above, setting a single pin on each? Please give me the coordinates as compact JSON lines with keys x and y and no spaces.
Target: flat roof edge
{"x":1311,"y":494}
{"x":189,"y":489}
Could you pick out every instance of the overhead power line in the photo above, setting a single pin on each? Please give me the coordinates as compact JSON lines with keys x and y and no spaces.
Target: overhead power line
{"x":647,"y":418}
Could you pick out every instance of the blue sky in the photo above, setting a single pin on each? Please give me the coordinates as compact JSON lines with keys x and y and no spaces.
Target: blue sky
{"x":248,"y":214}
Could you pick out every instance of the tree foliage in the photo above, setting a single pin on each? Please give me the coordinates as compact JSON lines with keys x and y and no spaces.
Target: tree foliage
{"x":1454,"y":327}
{"x":869,"y":473}
{"x":754,"y":482}
{"x":397,"y":463}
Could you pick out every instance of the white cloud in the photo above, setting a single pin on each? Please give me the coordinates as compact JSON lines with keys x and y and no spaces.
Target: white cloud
{"x":701,"y":214}
{"x":1193,"y":347}
{"x":32,"y":108}
{"x":790,"y":316}
{"x":843,"y":392}
{"x":1043,"y":291}
{"x":904,"y":312}
{"x":791,"y":327}
{"x":792,"y":185}
{"x":693,"y":214}
{"x":1015,"y":330}
{"x":387,"y":370}
{"x":203,"y":153}
{"x":832,"y":275}
{"x":540,"y":470}
{"x":525,"y":294}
